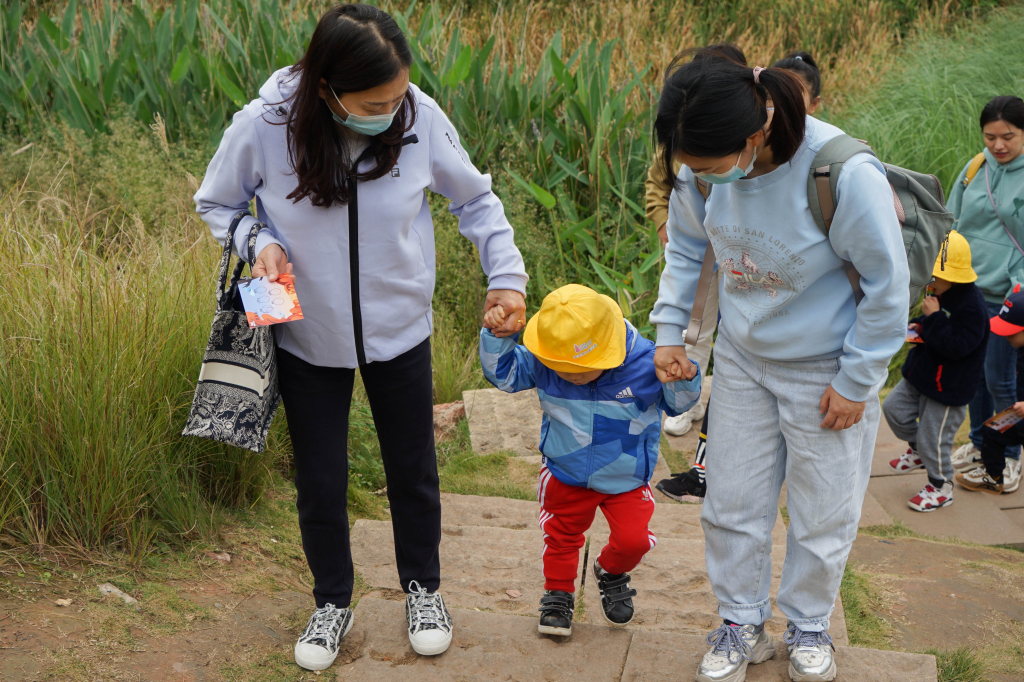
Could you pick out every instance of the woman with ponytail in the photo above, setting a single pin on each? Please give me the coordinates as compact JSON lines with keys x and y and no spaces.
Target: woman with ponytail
{"x":804,"y":66}
{"x":798,"y":362}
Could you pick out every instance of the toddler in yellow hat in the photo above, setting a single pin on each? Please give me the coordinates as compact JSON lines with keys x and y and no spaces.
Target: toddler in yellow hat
{"x":600,"y":433}
{"x":941,"y":374}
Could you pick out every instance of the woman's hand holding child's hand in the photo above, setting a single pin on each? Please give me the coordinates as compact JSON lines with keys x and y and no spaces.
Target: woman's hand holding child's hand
{"x":495,"y":317}
{"x":930,"y":305}
{"x":671,"y":364}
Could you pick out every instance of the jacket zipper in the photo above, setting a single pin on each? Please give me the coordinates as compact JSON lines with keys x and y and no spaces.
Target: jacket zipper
{"x":938,"y":379}
{"x":353,"y":252}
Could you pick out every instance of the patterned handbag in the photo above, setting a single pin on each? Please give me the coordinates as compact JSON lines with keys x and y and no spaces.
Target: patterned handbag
{"x":237,"y":394}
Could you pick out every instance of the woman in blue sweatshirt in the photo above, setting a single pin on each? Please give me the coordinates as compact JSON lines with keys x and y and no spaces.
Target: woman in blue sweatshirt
{"x":798,"y":363}
{"x":339,"y":152}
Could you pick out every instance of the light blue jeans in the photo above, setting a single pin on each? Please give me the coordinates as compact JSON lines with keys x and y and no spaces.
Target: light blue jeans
{"x":764,"y":428}
{"x":998,"y":389}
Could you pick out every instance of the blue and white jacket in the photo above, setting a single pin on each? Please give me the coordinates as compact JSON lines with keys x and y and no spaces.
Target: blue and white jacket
{"x":603,"y":435}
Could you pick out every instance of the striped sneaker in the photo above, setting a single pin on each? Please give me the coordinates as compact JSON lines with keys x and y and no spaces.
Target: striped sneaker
{"x":908,"y":461}
{"x":931,"y":498}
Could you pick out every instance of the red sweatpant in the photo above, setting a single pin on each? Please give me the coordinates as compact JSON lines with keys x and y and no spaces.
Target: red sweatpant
{"x":566,"y":512}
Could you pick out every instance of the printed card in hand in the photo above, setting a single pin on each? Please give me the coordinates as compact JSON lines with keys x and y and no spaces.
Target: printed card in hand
{"x":913,"y":336}
{"x":1003,"y":421}
{"x":269,"y":302}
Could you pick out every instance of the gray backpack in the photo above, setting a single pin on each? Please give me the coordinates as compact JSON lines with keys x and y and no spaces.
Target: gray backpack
{"x":920,"y":208}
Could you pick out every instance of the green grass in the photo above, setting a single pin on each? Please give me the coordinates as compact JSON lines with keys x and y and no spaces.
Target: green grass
{"x":959,"y":665}
{"x":861,"y":604}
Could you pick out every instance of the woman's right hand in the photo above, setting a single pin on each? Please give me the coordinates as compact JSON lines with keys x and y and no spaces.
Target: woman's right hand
{"x":671,"y":364}
{"x":271,"y":262}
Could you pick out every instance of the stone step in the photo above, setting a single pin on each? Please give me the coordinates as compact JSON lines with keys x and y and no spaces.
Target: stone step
{"x":675,"y":595}
{"x":481,"y":564}
{"x":500,"y":422}
{"x":485,"y":647}
{"x":670,"y":521}
{"x":667,"y":657}
{"x":491,"y":647}
{"x":973,"y":516}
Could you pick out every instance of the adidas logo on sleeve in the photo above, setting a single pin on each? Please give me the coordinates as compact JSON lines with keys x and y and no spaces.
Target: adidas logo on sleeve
{"x":625,"y":393}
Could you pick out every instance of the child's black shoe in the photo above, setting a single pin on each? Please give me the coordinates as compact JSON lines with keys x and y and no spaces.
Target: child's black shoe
{"x":616,"y":596}
{"x":556,"y":609}
{"x":685,"y":487}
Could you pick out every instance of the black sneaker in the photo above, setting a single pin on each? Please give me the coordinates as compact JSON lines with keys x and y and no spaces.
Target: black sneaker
{"x":616,"y":596}
{"x":556,"y":609}
{"x":684,"y":487}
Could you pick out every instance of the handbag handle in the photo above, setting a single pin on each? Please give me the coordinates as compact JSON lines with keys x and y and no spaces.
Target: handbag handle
{"x":225,"y":297}
{"x":996,"y":211}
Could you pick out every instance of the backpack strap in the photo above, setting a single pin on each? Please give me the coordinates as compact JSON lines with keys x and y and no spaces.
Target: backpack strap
{"x":707,"y":267}
{"x":822,"y":184}
{"x":973,"y":167}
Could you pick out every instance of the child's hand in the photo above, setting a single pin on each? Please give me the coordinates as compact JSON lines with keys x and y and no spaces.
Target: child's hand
{"x":494,"y":317}
{"x":915,"y":326}
{"x":1018,"y":409}
{"x":930,"y":305}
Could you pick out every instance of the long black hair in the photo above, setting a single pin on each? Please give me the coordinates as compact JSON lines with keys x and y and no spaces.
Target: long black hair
{"x":1004,"y":108}
{"x":709,"y":107}
{"x":803,"y":65}
{"x":354,"y":48}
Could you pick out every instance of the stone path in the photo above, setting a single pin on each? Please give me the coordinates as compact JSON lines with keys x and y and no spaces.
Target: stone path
{"x":492,"y":577}
{"x":973,"y":517}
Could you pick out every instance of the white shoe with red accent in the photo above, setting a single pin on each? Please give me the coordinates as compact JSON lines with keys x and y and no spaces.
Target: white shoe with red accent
{"x":908,"y":461}
{"x":931,"y":498}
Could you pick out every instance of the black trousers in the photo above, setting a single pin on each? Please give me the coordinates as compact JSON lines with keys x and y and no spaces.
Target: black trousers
{"x":317,"y":401}
{"x":994,"y":445}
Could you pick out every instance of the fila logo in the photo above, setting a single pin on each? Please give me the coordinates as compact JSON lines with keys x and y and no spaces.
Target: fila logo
{"x":395,"y":172}
{"x":625,"y":393}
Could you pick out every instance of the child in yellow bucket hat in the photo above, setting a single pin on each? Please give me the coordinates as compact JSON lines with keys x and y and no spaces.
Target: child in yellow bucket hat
{"x":941,"y":374}
{"x":602,"y":405}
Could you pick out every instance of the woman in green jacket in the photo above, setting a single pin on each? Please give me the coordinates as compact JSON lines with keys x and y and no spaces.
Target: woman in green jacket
{"x":987,"y":202}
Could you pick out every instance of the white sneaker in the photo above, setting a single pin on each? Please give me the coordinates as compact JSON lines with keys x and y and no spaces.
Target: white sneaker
{"x":429,"y":623}
{"x":908,"y":461}
{"x":681,"y":425}
{"x":733,"y":648}
{"x":966,"y":457}
{"x":931,"y":498}
{"x":811,"y":655}
{"x":1011,"y":476}
{"x":318,"y":645}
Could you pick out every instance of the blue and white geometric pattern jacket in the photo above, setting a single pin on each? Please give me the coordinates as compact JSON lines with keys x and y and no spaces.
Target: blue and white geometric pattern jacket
{"x":603,"y":435}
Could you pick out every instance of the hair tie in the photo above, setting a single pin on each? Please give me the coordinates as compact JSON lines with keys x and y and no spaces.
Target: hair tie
{"x":757,"y":73}
{"x":796,"y":56}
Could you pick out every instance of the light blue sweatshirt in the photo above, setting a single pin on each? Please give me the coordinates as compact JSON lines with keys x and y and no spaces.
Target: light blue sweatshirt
{"x":784,"y":294}
{"x":369,"y":303}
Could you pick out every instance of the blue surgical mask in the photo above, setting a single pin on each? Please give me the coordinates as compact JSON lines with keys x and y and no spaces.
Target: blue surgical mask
{"x":733,"y":174}
{"x":365,"y":125}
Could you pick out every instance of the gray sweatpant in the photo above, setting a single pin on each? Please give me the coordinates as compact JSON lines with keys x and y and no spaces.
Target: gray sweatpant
{"x":926,"y":423}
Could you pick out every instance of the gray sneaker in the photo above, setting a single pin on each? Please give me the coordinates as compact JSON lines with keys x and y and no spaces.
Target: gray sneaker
{"x":733,"y":648}
{"x":811,"y":655}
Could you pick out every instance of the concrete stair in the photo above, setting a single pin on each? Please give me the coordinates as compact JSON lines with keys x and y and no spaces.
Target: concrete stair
{"x":491,"y":546}
{"x":492,"y":647}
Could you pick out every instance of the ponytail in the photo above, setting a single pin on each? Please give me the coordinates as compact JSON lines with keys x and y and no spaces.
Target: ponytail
{"x":709,"y":107}
{"x":804,"y":65}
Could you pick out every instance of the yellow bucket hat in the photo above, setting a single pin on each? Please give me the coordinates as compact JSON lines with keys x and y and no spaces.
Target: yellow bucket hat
{"x":577,"y":330}
{"x":958,"y":261}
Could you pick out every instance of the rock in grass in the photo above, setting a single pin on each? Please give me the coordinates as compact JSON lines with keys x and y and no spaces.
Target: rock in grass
{"x":62,"y":602}
{"x":222,"y":557}
{"x":107,"y":588}
{"x":446,"y":418}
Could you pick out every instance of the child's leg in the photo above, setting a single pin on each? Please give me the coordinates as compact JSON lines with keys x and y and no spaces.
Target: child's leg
{"x":935,"y":432}
{"x":628,"y":515}
{"x":901,"y":409}
{"x":566,"y":512}
{"x":994,"y":446}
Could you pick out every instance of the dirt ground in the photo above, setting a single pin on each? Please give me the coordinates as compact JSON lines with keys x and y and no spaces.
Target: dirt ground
{"x":199,"y":619}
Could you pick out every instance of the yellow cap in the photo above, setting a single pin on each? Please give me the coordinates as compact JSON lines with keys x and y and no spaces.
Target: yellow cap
{"x":577,"y":330}
{"x":958,"y":261}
